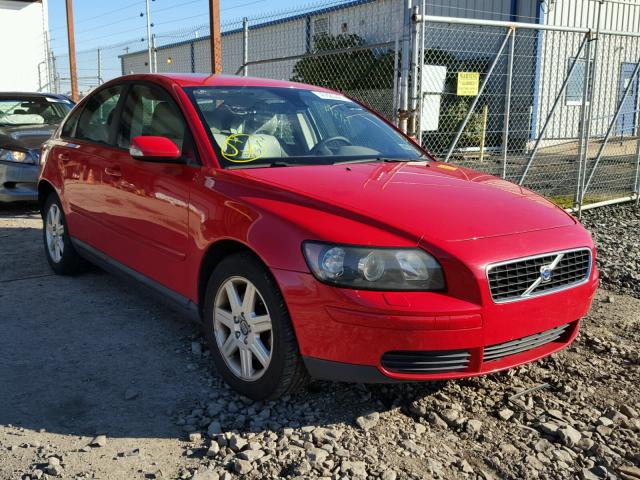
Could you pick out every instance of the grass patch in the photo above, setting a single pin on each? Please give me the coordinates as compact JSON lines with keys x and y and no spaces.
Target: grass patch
{"x":566,"y":201}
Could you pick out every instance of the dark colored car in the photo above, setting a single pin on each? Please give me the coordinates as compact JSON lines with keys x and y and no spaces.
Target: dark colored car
{"x":27,"y":120}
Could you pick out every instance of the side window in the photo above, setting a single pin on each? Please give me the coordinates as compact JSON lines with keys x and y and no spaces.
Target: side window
{"x":70,"y":124}
{"x":150,"y":111}
{"x":97,"y":116}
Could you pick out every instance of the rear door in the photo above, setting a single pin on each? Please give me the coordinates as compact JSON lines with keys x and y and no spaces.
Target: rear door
{"x":85,"y":147}
{"x":148,"y":202}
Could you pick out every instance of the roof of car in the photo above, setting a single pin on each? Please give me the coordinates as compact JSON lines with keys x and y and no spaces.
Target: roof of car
{"x":33,"y":94}
{"x":198,"y":79}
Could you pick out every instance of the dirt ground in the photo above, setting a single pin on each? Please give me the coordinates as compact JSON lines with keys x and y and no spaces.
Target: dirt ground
{"x":88,"y":356}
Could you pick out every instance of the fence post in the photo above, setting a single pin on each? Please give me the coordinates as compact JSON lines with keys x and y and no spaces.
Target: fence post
{"x":245,"y":45}
{"x":477,"y":97}
{"x":423,"y":25}
{"x":99,"y":66}
{"x":507,"y":103}
{"x":40,"y":76}
{"x":414,"y":71}
{"x":56,"y":78}
{"x":396,"y":57}
{"x":404,"y":79}
{"x":585,"y":167}
{"x":636,"y":183}
{"x":483,"y":133}
{"x":48,"y":60}
{"x":149,"y":38}
{"x":583,"y":135}
{"x":192,"y":54}
{"x":155,"y":54}
{"x":52,"y":71}
{"x":553,"y":109}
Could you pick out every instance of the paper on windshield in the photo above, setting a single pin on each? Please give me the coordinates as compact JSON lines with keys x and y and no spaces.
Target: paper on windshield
{"x":22,"y":119}
{"x":331,"y":96}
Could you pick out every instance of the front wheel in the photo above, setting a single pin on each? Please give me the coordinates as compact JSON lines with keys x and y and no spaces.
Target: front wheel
{"x":249,"y":330}
{"x":62,"y":257}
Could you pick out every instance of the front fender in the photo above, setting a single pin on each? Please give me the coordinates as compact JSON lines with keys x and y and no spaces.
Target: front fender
{"x":274,"y":223}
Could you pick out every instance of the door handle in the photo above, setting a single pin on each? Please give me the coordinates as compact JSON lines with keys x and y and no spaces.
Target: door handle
{"x":63,"y":157}
{"x":113,"y":171}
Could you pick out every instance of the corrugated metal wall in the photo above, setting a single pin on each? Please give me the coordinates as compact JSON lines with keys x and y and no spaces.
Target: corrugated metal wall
{"x":619,"y":15}
{"x":558,"y":49}
{"x":374,"y":21}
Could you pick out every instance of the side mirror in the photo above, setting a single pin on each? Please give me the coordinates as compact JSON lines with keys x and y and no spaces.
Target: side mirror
{"x":154,"y":149}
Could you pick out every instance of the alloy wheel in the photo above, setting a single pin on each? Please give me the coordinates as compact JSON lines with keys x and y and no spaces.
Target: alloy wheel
{"x":243,"y":329}
{"x":54,"y":230}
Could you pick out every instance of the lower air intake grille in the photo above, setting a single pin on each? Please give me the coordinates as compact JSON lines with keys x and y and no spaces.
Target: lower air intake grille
{"x":501,"y":350}
{"x":433,"y":361}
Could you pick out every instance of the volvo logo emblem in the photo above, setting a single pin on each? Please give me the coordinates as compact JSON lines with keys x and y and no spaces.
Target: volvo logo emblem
{"x":546,"y":272}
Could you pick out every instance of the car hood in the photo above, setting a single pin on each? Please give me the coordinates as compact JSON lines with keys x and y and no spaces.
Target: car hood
{"x":427,"y":200}
{"x":25,"y":137}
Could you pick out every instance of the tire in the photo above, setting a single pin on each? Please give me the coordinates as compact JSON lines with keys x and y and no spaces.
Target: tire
{"x":62,"y":257}
{"x":241,"y":330}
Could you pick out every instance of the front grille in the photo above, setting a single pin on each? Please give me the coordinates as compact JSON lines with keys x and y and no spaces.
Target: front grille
{"x":431,"y":361}
{"x":523,"y":278}
{"x":501,"y":350}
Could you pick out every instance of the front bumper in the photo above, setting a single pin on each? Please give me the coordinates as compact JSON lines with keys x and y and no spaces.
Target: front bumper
{"x":477,"y":363}
{"x":346,"y":334}
{"x":18,"y":182}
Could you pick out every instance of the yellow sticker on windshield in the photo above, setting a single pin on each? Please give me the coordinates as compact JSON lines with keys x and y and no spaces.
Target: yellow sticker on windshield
{"x":242,"y":148}
{"x":447,"y":167}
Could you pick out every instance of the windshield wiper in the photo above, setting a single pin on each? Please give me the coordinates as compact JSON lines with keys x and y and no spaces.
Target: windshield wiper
{"x":260,"y":165}
{"x":355,"y":160}
{"x":393,"y":160}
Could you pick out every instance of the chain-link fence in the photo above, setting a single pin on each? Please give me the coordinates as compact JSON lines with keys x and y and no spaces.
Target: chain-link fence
{"x":553,"y":108}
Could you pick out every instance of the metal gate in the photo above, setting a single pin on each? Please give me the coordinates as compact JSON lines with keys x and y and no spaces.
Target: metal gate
{"x":551,"y":108}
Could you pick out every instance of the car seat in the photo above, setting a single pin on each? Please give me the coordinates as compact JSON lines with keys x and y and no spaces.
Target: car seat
{"x":165,"y":122}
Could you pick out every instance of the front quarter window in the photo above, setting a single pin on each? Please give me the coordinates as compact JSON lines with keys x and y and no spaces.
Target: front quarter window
{"x":97,"y":116}
{"x":261,"y":126}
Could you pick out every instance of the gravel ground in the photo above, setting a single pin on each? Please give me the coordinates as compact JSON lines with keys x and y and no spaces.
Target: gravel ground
{"x":99,"y":381}
{"x":616,"y":231}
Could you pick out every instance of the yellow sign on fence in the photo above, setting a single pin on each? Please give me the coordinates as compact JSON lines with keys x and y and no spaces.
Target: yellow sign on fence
{"x":468,"y":83}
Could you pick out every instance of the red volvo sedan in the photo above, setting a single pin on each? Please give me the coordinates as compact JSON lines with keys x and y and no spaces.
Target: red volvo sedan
{"x":309,"y":236}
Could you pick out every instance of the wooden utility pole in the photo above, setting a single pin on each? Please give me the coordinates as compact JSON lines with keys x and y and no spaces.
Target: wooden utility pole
{"x":72,"y":52}
{"x":214,"y":28}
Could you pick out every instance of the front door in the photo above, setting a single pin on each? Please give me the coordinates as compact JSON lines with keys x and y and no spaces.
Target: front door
{"x":147,"y":203}
{"x":87,"y":143}
{"x":628,"y":114}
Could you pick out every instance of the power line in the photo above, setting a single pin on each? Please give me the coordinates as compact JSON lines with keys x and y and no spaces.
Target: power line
{"x":242,"y":5}
{"x":180,"y":19}
{"x":176,"y":6}
{"x":115,"y":33}
{"x":104,"y":14}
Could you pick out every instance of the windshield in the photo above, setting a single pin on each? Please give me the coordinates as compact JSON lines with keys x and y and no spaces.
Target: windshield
{"x":262,"y":126}
{"x":32,"y":110}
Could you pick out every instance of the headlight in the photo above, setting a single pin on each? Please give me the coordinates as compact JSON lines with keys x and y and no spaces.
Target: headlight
{"x":17,"y":156}
{"x":370,"y":268}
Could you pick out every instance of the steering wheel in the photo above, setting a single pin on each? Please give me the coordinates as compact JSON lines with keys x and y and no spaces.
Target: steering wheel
{"x":323,"y":147}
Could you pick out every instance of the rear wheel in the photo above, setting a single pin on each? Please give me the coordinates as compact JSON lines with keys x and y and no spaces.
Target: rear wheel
{"x":62,"y":257}
{"x":249,"y":330}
